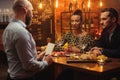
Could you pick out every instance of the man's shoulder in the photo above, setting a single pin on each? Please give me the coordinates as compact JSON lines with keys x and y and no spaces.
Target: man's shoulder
{"x":12,"y":25}
{"x":16,"y":28}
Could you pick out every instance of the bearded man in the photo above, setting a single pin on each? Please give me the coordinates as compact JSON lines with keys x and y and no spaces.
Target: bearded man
{"x":20,"y":47}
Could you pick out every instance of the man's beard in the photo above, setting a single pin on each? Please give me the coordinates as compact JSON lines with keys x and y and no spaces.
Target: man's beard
{"x":107,"y":26}
{"x":103,"y":27}
{"x":27,"y":19}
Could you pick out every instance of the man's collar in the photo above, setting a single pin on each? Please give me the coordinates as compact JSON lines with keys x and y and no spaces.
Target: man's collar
{"x":111,"y":30}
{"x":19,"y":21}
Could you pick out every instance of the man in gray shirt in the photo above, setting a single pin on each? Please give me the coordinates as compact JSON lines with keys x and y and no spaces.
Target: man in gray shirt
{"x":20,"y":47}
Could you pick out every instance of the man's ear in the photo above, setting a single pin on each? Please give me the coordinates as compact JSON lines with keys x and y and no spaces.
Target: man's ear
{"x":113,"y":19}
{"x":25,"y":9}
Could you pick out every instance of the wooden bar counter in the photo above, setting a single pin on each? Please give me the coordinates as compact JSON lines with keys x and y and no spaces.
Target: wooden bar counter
{"x":92,"y":69}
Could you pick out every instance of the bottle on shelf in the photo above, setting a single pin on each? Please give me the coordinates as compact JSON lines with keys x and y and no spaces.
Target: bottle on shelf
{"x":6,"y":15}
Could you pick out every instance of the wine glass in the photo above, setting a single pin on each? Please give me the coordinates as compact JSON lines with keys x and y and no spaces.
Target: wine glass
{"x":60,"y":43}
{"x":83,"y":47}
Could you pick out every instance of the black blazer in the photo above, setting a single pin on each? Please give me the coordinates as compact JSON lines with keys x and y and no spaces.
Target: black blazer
{"x":110,"y":49}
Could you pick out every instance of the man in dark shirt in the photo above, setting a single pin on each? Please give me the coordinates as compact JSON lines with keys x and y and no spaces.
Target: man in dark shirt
{"x":109,"y":42}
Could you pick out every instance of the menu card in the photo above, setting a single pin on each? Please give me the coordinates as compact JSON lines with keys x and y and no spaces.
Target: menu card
{"x":49,"y":48}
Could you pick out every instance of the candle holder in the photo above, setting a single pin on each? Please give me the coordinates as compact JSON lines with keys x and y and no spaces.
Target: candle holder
{"x":101,"y":62}
{"x":101,"y":59}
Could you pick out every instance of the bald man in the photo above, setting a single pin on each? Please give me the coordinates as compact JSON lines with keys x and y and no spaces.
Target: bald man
{"x":20,"y":46}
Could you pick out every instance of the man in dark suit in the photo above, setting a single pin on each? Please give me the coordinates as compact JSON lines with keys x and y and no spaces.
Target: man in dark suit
{"x":109,"y":42}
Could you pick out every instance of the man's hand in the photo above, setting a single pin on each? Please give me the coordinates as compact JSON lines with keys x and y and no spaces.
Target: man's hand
{"x":49,"y":59}
{"x":40,"y":55}
{"x":72,"y":48}
{"x":96,"y":50}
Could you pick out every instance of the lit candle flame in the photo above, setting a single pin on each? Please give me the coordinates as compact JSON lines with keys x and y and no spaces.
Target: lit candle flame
{"x":101,"y":60}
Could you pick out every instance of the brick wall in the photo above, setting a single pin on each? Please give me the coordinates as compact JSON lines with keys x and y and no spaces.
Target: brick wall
{"x":64,"y":6}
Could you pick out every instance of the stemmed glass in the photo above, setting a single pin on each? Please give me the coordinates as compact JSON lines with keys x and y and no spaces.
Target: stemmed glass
{"x":83,"y":47}
{"x":60,"y":43}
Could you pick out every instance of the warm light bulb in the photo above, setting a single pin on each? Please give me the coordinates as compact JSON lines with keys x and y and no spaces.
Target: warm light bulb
{"x":89,"y":4}
{"x":40,"y":6}
{"x":56,"y":4}
{"x":101,"y":4}
{"x":74,"y":0}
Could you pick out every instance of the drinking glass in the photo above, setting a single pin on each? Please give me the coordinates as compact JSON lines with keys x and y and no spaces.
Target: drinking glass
{"x":83,"y":47}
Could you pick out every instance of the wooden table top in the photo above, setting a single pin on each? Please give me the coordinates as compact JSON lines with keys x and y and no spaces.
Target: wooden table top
{"x":94,"y":68}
